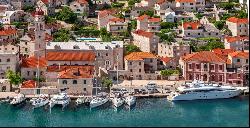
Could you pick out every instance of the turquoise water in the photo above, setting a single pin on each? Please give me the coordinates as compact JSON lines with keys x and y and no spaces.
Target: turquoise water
{"x":147,"y":112}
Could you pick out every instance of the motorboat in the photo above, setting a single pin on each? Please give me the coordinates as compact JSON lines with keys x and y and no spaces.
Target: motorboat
{"x":80,"y":100}
{"x":98,"y":101}
{"x":199,"y":90}
{"x":130,"y":100}
{"x":62,"y":99}
{"x":118,"y":101}
{"x":20,"y":98}
{"x":40,"y":101}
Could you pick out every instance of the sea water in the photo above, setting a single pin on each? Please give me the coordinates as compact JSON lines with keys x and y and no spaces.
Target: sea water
{"x":146,"y":112}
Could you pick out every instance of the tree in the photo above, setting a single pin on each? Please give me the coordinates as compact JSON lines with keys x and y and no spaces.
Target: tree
{"x":168,"y":25}
{"x":198,"y":15}
{"x":15,"y":78}
{"x":63,"y":35}
{"x":67,"y":15}
{"x":1,"y":26}
{"x":169,"y":72}
{"x":49,"y":19}
{"x":226,"y":6}
{"x":132,"y":2}
{"x":131,"y":48}
{"x":117,"y":5}
{"x":106,"y":82}
{"x":241,"y":14}
{"x":29,"y":8}
{"x":148,"y":12}
{"x":219,"y":24}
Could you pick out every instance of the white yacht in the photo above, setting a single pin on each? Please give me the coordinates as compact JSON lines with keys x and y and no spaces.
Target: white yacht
{"x":20,"y":98}
{"x":130,"y":100}
{"x":199,"y":90}
{"x":98,"y":101}
{"x":117,"y":102}
{"x":40,"y":101}
{"x":61,"y":99}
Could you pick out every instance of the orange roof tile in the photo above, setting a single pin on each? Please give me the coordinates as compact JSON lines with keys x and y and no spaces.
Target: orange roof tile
{"x":9,"y":31}
{"x":104,"y":13}
{"x":185,"y":1}
{"x":165,"y":59}
{"x":82,"y":1}
{"x":231,"y":39}
{"x":77,"y":72}
{"x":143,"y":33}
{"x":203,"y":56}
{"x":160,"y":2}
{"x":70,"y":56}
{"x":238,"y":20}
{"x":116,"y":20}
{"x":154,"y":20}
{"x":29,"y":84}
{"x":32,"y":62}
{"x":193,"y":25}
{"x":139,"y":56}
{"x":142,"y":17}
{"x":45,"y":1}
{"x":224,"y":52}
{"x":240,"y":54}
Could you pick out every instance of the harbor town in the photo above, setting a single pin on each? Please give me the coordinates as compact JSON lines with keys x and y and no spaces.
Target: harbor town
{"x":94,"y":52}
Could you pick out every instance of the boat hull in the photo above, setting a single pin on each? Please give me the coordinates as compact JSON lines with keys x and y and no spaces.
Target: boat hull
{"x":40,"y":104}
{"x":207,"y":95}
{"x":96,"y":104}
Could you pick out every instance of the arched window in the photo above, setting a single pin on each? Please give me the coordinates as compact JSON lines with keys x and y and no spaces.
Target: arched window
{"x":205,"y":66}
{"x":64,"y":82}
{"x":74,"y":81}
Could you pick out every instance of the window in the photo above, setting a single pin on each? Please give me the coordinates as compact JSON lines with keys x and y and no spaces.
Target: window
{"x":247,"y":61}
{"x":190,"y":66}
{"x":220,"y":67}
{"x":64,"y":82}
{"x":246,"y":68}
{"x":238,"y":60}
{"x":139,"y":70}
{"x":28,"y":73}
{"x":197,"y":66}
{"x":41,"y":73}
{"x":188,"y":33}
{"x":0,"y":60}
{"x":216,"y":33}
{"x":191,"y":3}
{"x":151,"y":60}
{"x":107,"y":62}
{"x":107,"y":54}
{"x":220,"y":78}
{"x":199,"y":34}
{"x":84,"y":81}
{"x":209,"y":33}
{"x":139,"y":63}
{"x":98,"y":54}
{"x":212,"y":67}
{"x":8,"y":60}
{"x":34,"y":73}
{"x":74,"y":81}
{"x":26,"y":49}
{"x":130,"y":63}
{"x":131,"y":70}
{"x":230,"y":75}
{"x":12,"y":48}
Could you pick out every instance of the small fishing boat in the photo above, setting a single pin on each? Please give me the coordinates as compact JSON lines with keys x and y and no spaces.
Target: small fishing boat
{"x":130,"y":100}
{"x":19,"y":99}
{"x":40,"y":101}
{"x":118,"y":101}
{"x":98,"y":101}
{"x":80,"y":100}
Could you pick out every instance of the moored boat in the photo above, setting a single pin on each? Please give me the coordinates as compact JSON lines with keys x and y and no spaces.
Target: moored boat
{"x":130,"y":100}
{"x":62,"y":99}
{"x":40,"y":101}
{"x":19,"y":99}
{"x":98,"y":101}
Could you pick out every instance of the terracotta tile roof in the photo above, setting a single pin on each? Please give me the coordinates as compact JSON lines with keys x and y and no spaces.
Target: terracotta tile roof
{"x":234,"y":39}
{"x":160,"y":2}
{"x":238,"y":20}
{"x":185,"y":1}
{"x":104,"y":13}
{"x":143,"y":33}
{"x":39,"y":12}
{"x":82,"y":1}
{"x":32,"y":62}
{"x":116,"y":20}
{"x":142,"y":17}
{"x":57,"y":68}
{"x":45,"y":1}
{"x":77,"y":72}
{"x":203,"y":56}
{"x":192,"y":25}
{"x":240,"y":54}
{"x":165,"y":59}
{"x":154,"y":20}
{"x":7,"y":32}
{"x":29,"y":84}
{"x":70,"y":56}
{"x":223,"y":52}
{"x":139,"y":56}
